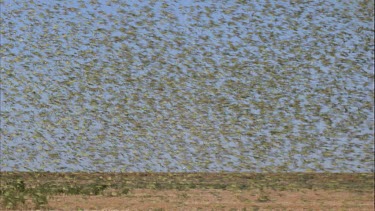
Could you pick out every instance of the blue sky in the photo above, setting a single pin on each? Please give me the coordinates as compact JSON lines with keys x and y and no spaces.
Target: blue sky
{"x":187,"y":86}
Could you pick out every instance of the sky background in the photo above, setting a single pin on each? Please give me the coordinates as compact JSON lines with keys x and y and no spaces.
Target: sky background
{"x":250,"y":86}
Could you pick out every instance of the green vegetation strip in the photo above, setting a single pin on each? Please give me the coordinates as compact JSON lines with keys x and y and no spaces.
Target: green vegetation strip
{"x":17,"y":186}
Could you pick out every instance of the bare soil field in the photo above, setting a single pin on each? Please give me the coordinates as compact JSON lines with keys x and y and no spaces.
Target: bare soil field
{"x":145,"y":199}
{"x":186,"y":191}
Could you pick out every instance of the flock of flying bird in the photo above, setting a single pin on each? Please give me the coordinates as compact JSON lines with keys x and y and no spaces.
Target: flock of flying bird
{"x":96,"y":85}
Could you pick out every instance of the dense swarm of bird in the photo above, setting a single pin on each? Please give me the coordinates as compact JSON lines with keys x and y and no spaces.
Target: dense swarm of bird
{"x":95,"y":85}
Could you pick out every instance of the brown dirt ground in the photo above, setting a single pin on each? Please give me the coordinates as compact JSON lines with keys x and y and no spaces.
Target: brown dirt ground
{"x":214,"y":199}
{"x":290,"y":191}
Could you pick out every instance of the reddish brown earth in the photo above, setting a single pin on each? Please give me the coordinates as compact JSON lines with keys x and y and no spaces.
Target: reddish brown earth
{"x":195,"y":199}
{"x":203,"y":191}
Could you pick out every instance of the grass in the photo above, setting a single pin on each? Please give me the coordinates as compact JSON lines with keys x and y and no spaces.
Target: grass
{"x":17,"y":187}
